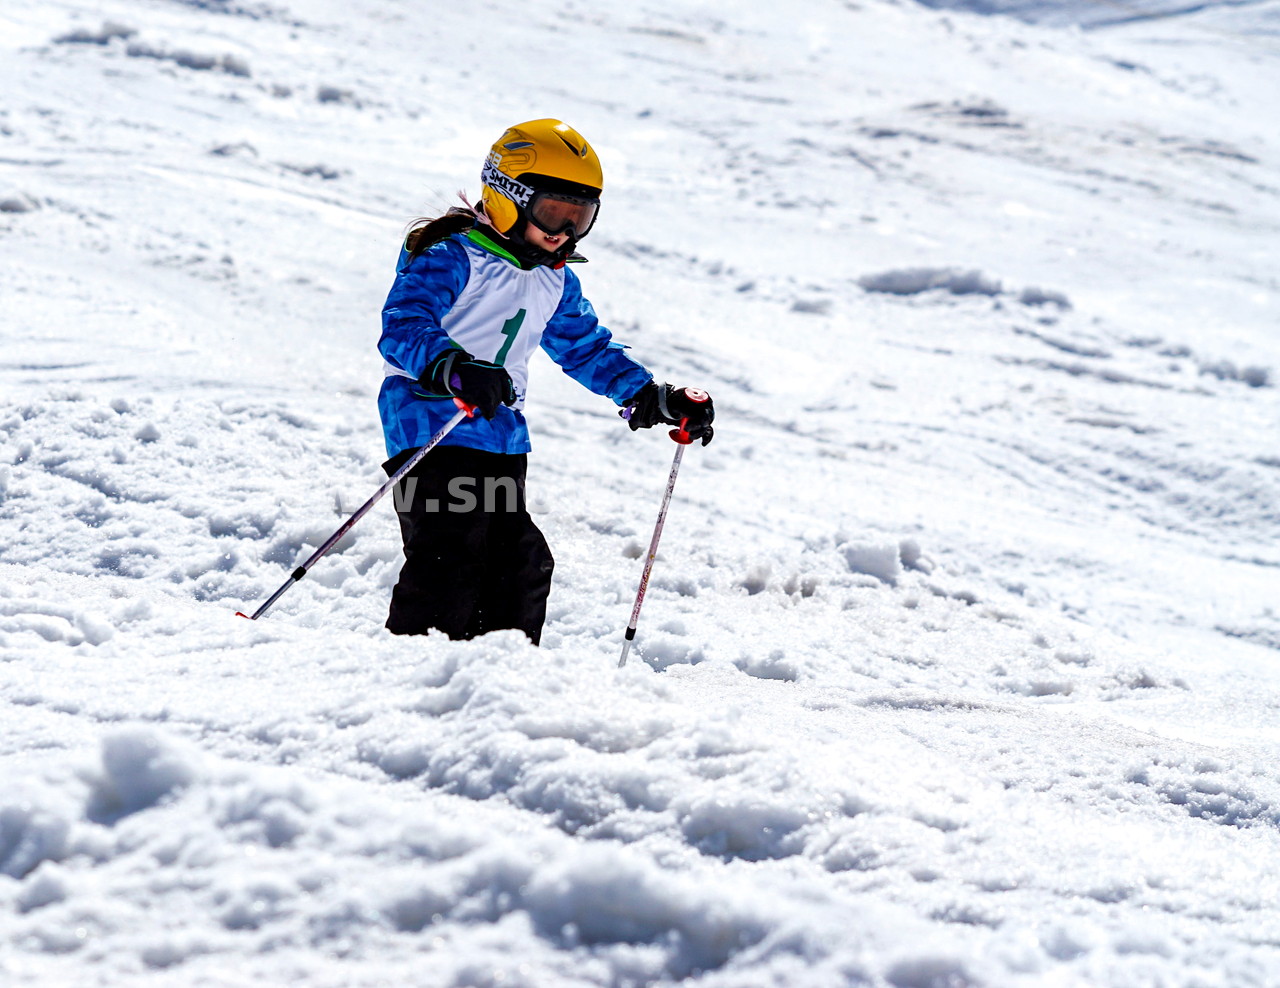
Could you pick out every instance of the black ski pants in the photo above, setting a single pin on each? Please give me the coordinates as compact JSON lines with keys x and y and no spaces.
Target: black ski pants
{"x":474,"y":561}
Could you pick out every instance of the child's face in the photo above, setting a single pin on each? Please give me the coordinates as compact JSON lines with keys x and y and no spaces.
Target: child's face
{"x":547,"y":241}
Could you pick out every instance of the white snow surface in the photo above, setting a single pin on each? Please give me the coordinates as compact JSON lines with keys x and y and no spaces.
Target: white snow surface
{"x":961,"y":661}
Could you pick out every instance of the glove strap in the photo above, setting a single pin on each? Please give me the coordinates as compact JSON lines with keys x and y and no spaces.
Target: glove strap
{"x":440,"y":376}
{"x":663,"y":408}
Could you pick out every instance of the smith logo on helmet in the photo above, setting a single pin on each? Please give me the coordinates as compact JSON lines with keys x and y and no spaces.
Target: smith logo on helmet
{"x":514,"y":190}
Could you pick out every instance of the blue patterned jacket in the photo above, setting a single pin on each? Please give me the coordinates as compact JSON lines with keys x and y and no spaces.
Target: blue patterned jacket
{"x":467,"y":291}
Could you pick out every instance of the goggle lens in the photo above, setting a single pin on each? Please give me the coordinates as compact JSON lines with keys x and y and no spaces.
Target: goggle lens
{"x":556,"y":214}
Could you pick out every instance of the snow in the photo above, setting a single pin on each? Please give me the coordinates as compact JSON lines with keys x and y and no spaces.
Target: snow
{"x":958,"y":664}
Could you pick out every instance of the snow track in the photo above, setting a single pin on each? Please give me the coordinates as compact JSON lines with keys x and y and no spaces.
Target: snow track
{"x":958,"y":663}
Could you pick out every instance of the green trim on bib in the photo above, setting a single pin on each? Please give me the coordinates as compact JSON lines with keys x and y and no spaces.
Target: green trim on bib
{"x":480,"y":240}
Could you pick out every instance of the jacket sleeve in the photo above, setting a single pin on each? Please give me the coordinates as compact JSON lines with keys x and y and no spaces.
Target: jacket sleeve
{"x":586,"y":351}
{"x":425,"y":288}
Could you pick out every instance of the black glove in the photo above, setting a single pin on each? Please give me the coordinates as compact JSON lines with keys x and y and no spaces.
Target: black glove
{"x":656,"y":403}
{"x":455,"y":373}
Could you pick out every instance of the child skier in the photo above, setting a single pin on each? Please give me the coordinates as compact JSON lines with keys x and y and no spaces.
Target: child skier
{"x":476,"y":291}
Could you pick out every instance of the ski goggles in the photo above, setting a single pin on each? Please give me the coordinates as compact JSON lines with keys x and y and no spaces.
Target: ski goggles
{"x":554,"y":213}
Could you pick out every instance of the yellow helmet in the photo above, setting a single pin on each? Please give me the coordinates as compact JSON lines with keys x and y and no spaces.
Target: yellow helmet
{"x":543,"y":171}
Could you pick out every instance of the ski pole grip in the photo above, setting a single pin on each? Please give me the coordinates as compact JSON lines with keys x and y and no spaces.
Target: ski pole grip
{"x":455,"y":382}
{"x":681,"y":434}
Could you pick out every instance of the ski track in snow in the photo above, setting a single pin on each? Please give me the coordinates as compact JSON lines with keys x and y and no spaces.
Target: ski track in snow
{"x":958,"y":664}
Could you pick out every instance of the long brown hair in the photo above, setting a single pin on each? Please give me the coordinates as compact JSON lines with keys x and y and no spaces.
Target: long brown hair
{"x":427,"y":231}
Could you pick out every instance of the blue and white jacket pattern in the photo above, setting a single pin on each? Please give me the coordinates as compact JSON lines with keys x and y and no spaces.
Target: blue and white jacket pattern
{"x":461,"y":292}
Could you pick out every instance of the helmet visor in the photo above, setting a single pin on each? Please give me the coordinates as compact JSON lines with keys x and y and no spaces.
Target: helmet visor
{"x":554,"y":213}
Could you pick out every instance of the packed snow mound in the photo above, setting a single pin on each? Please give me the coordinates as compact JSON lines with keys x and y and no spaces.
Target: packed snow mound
{"x":268,"y":847}
{"x":654,"y":875}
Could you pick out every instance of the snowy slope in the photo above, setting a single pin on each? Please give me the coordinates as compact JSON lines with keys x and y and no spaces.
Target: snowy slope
{"x":1226,"y":17}
{"x":959,"y":665}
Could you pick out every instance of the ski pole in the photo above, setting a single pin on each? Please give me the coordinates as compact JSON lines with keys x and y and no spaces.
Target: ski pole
{"x":464,"y":411}
{"x":683,"y":439}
